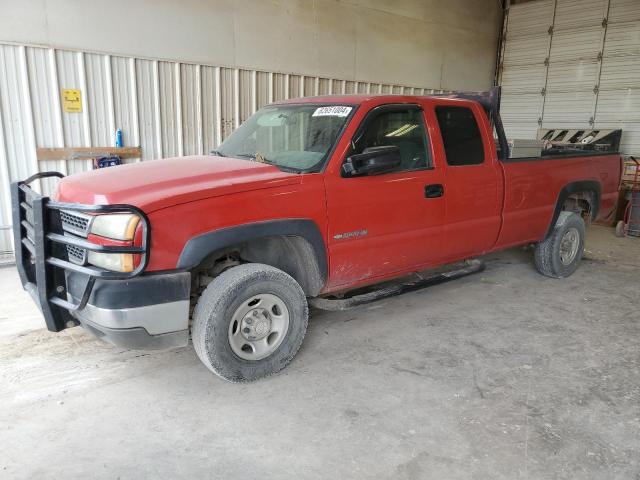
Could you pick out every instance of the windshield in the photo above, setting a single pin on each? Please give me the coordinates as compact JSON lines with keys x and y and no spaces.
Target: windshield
{"x":293,"y":137}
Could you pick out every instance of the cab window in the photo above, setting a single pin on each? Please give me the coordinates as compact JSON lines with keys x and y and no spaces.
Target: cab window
{"x":460,"y":135}
{"x":401,"y":126}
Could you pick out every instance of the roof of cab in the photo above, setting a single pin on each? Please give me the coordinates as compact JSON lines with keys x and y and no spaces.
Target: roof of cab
{"x":360,"y":99}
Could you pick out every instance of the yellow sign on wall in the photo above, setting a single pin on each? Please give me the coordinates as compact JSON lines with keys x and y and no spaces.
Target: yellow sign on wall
{"x":71,"y":100}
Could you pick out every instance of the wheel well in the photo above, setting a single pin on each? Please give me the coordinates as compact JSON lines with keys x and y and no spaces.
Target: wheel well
{"x":292,"y":254}
{"x":580,"y":203}
{"x":582,"y":197}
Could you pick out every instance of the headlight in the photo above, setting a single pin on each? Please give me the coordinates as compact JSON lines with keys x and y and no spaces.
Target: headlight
{"x":117,"y":262}
{"x":119,"y":226}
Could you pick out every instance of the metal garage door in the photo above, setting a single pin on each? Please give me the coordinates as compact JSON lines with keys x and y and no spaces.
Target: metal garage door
{"x":572,"y":63}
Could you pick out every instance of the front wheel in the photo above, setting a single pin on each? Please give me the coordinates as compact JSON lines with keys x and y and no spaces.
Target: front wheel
{"x":249,"y":322}
{"x":559,"y":255}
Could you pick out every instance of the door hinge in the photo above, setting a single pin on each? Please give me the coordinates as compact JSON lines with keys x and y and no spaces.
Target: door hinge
{"x":543,"y":92}
{"x":591,"y":121}
{"x":550,"y":31}
{"x":604,"y":22}
{"x":596,"y":89}
{"x":546,"y":62}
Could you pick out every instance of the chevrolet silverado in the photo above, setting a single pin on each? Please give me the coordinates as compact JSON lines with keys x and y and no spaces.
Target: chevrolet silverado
{"x":310,"y":198}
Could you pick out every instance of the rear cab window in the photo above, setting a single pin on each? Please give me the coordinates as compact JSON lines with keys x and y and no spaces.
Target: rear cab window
{"x":460,"y":135}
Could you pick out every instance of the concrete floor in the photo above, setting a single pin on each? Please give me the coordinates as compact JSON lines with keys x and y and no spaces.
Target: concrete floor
{"x":501,"y":375}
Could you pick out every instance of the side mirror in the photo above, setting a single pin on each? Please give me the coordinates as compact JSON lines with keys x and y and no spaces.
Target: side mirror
{"x":372,"y":161}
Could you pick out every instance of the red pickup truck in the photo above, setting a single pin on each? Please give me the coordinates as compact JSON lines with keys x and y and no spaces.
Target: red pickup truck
{"x":309,"y":198}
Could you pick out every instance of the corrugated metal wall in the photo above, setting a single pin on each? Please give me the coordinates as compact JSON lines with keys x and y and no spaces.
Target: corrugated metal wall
{"x":572,"y":63}
{"x":168,"y":108}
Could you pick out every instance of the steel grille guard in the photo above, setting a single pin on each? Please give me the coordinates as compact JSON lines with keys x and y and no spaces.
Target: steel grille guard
{"x":41,"y":255}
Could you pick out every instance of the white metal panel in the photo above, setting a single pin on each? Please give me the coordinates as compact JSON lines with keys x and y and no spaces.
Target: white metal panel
{"x":576,"y":14}
{"x":262,"y":88}
{"x":47,"y":121}
{"x":168,"y":109}
{"x":567,"y":109}
{"x":623,"y":39}
{"x":208,"y":82}
{"x":615,"y":105}
{"x":191,"y":115}
{"x":573,"y":45}
{"x":5,"y":197}
{"x":309,"y":86}
{"x":246,"y":94}
{"x":125,"y":101}
{"x":294,"y":87}
{"x":323,"y":86}
{"x":97,"y":102}
{"x":74,"y":125}
{"x":620,"y":72}
{"x":523,"y":78}
{"x":569,"y":76}
{"x":279,"y":87}
{"x":520,"y":113}
{"x":228,"y":92}
{"x":526,"y":50}
{"x":530,"y":20}
{"x":17,"y":126}
{"x":15,"y":108}
{"x":522,"y":107}
{"x":148,"y":118}
{"x":624,"y":11}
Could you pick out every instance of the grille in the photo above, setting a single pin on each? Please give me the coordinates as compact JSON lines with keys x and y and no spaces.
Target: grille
{"x":76,"y":254}
{"x":76,"y":223}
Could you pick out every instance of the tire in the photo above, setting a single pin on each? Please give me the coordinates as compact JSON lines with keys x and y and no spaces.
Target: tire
{"x":556,"y":260}
{"x":228,"y":302}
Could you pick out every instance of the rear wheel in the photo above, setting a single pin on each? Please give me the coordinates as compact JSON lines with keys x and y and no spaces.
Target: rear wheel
{"x":249,"y":322}
{"x":559,"y":255}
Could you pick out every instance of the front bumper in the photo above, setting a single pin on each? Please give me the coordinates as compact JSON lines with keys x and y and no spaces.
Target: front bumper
{"x":130,"y":310}
{"x":145,"y":313}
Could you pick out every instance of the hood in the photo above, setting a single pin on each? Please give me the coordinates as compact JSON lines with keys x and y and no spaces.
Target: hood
{"x":156,"y":184}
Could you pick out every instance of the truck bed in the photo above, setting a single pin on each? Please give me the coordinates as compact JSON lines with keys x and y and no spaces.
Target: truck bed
{"x":533,"y":186}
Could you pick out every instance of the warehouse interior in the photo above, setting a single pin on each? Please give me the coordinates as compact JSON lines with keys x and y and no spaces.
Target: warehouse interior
{"x":501,"y":374}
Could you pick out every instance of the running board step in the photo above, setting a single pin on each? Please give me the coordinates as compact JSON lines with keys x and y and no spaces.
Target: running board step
{"x":420,"y":281}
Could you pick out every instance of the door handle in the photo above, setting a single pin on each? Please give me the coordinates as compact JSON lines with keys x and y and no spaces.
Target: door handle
{"x":434,"y":190}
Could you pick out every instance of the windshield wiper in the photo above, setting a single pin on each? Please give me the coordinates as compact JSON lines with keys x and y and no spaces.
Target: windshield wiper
{"x":254,"y":157}
{"x":217,"y":153}
{"x":258,"y":157}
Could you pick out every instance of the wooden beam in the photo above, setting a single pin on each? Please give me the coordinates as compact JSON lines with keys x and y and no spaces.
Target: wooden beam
{"x":82,"y":153}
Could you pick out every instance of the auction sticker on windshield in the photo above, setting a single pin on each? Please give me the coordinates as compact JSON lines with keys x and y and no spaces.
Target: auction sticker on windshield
{"x":333,"y":111}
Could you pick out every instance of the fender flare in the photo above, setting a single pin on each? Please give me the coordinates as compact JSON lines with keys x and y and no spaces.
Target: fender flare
{"x":575,"y":187}
{"x":201,"y":246}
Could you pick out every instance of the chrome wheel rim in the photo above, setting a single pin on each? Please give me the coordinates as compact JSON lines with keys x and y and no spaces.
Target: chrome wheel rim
{"x":258,"y":326}
{"x":569,"y":246}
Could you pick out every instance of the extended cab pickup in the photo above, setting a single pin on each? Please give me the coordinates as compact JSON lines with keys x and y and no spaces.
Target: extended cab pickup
{"x":309,"y":198}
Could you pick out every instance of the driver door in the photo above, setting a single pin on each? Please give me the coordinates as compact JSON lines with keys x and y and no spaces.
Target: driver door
{"x":390,"y":222}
